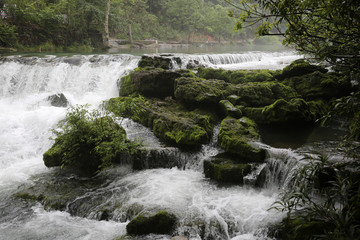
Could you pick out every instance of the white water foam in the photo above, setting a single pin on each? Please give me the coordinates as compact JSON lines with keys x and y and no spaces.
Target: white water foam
{"x":248,"y":60}
{"x":26,"y":118}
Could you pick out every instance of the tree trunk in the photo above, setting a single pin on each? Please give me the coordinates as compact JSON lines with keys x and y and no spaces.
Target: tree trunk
{"x":107,"y":36}
{"x":130,"y":34}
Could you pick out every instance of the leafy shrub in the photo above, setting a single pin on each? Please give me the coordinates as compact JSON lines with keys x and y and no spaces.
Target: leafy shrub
{"x":325,"y":194}
{"x":88,"y":141}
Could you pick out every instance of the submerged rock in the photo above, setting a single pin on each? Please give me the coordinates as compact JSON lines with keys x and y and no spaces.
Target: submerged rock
{"x":58,"y":100}
{"x":160,"y":223}
{"x":235,"y":137}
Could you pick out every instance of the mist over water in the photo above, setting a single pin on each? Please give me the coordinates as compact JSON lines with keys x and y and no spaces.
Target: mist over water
{"x":203,"y":207}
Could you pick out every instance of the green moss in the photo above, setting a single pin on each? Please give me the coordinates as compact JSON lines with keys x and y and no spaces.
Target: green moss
{"x":234,"y":137}
{"x":259,"y":94}
{"x":236,"y":77}
{"x":127,"y":86}
{"x":319,"y":85}
{"x":169,"y":120}
{"x":87,"y":142}
{"x":228,"y":109}
{"x":225,"y":170}
{"x":287,"y":111}
{"x":299,"y":68}
{"x":160,"y":223}
{"x":197,"y":91}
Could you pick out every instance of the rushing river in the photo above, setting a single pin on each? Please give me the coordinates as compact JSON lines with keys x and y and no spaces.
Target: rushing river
{"x":204,"y":208}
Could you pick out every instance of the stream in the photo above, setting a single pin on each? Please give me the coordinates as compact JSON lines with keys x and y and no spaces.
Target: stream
{"x":100,"y":207}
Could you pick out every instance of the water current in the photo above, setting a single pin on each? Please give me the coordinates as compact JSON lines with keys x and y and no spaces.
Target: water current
{"x":206,"y":210}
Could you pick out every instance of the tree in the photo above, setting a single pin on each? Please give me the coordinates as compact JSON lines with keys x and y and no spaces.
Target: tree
{"x":185,"y":15}
{"x":327,"y":29}
{"x":132,"y":12}
{"x":106,"y":30}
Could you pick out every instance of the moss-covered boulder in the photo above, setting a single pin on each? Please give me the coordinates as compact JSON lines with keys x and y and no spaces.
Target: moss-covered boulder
{"x":155,"y":62}
{"x":227,"y":109}
{"x":299,"y":67}
{"x":235,"y":137}
{"x":198,"y":91}
{"x":296,"y":110}
{"x":87,"y":143}
{"x":236,"y":77}
{"x":287,"y":111}
{"x":256,"y":94}
{"x":151,"y":82}
{"x":160,"y":223}
{"x":169,"y":120}
{"x":226,"y":170}
{"x":318,"y":85}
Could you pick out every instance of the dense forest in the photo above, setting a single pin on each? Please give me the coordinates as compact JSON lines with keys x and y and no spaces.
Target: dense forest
{"x":65,"y":23}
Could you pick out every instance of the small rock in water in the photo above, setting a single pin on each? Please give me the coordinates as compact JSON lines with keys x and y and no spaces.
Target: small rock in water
{"x":58,"y":100}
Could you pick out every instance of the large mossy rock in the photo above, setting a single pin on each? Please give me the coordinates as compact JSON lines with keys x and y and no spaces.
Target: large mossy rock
{"x":88,"y":145}
{"x":150,"y":82}
{"x":259,"y":94}
{"x":160,"y":223}
{"x":155,"y":62}
{"x":198,"y":91}
{"x":226,"y":170}
{"x":235,"y":137}
{"x":299,"y":67}
{"x":169,"y":120}
{"x":296,"y":110}
{"x":236,"y":77}
{"x":318,"y":85}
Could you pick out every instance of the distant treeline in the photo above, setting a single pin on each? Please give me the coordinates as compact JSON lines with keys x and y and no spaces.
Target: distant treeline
{"x":82,"y":22}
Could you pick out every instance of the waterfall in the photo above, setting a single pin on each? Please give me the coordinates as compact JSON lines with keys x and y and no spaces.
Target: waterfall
{"x":248,"y":60}
{"x":206,"y":210}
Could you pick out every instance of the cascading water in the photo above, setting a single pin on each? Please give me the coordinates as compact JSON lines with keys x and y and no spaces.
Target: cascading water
{"x":205,"y":209}
{"x":234,"y":61}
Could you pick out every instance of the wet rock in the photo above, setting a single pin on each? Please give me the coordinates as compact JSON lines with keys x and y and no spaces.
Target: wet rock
{"x":222,"y":169}
{"x":227,"y":109}
{"x":235,"y":137}
{"x":236,"y":77}
{"x":86,"y":149}
{"x":197,"y":91}
{"x":296,"y":110}
{"x":298,"y":68}
{"x":169,"y":120}
{"x":160,"y":223}
{"x":58,"y":100}
{"x":257,"y":94}
{"x":319,"y":85}
{"x":151,"y":82}
{"x":163,"y":62}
